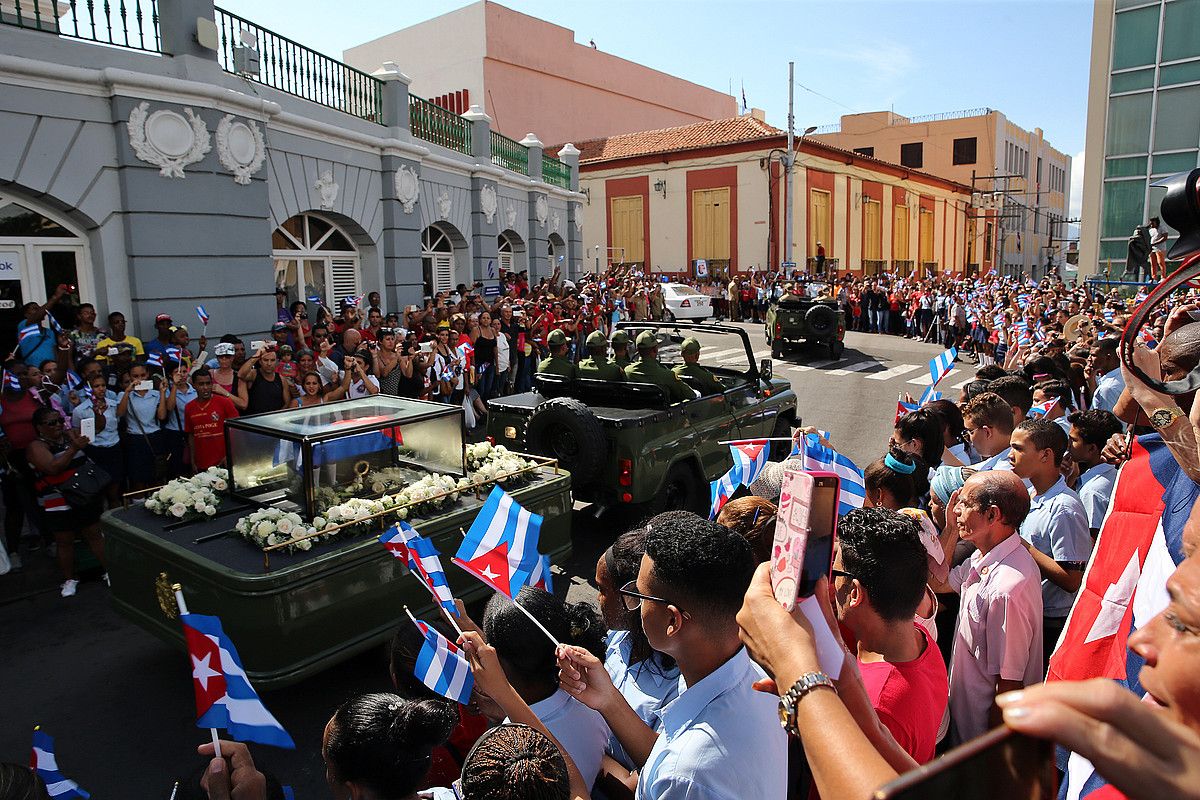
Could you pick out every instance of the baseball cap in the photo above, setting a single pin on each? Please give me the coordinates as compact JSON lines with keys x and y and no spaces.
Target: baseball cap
{"x":162,"y":318}
{"x":223,"y":349}
{"x":620,"y":337}
{"x":279,"y":327}
{"x":556,"y":338}
{"x":596,"y":339}
{"x":646,"y":340}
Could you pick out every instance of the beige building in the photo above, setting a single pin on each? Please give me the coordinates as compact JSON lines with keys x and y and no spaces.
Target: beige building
{"x":1143,"y":120}
{"x":713,"y":193}
{"x":531,"y":75}
{"x":972,"y":148}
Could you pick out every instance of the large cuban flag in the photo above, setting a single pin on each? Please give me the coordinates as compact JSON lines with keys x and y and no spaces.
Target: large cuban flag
{"x":345,"y":448}
{"x":1124,"y":587}
{"x":501,"y":548}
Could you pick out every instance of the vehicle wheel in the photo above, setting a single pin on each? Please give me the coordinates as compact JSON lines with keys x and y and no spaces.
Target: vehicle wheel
{"x":683,"y":490}
{"x":668,"y":316}
{"x":566,"y":429}
{"x":836,"y":348}
{"x":783,"y":428}
{"x":777,"y":350}
{"x":821,"y":321}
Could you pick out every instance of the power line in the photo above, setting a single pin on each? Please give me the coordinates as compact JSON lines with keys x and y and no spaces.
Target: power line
{"x":827,"y":97}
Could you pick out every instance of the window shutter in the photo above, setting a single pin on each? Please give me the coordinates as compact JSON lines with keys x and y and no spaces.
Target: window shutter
{"x":443,"y":272}
{"x":343,"y":279}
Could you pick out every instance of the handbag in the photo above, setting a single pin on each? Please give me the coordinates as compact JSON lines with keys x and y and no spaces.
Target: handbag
{"x":86,"y":486}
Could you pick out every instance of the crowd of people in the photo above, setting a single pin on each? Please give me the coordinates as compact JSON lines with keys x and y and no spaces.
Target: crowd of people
{"x":949,"y":592}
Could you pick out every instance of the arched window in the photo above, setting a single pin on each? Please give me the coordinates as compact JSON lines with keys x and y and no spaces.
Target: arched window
{"x":556,"y":251}
{"x":511,"y":252}
{"x":315,"y":259}
{"x":437,"y":260}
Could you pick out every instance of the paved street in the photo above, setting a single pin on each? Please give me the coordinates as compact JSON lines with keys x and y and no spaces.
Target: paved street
{"x":118,"y":700}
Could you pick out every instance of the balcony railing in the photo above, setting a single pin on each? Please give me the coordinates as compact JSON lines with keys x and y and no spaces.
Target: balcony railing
{"x":555,"y":172}
{"x":903,"y":266}
{"x":436,"y":124}
{"x":874,"y":266}
{"x":122,"y":23}
{"x":293,"y":68}
{"x":509,"y":154}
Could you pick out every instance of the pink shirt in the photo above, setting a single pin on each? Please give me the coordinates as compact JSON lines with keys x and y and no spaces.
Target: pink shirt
{"x":910,"y":698}
{"x":998,"y":634}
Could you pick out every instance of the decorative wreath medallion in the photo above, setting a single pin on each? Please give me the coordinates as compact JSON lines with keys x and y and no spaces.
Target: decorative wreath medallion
{"x":164,"y":590}
{"x":541,"y":209}
{"x":167,"y":139}
{"x":579,"y":216}
{"x":487,"y":203}
{"x":510,"y":216}
{"x":240,"y":148}
{"x":408,"y":188}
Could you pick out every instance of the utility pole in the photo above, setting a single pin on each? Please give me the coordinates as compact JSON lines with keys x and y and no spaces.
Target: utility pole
{"x":788,"y":205}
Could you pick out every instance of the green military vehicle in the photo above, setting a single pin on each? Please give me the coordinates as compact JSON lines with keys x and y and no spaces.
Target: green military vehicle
{"x":796,"y":318}
{"x":626,"y":445}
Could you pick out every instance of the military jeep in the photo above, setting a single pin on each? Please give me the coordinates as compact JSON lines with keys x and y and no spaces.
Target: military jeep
{"x":794,"y":319}
{"x":626,"y":445}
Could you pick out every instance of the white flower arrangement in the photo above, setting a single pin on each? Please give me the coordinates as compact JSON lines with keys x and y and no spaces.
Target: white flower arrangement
{"x":196,"y":497}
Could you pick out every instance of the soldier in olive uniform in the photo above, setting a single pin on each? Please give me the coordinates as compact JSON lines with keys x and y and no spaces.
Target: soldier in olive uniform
{"x":620,"y":346}
{"x":648,"y":370}
{"x":597,"y":364}
{"x":557,"y":363}
{"x":701,"y":378}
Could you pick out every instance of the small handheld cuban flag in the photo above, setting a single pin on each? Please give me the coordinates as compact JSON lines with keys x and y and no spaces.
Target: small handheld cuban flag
{"x":53,"y":323}
{"x":154,"y":360}
{"x":11,"y":382}
{"x":541,"y":577}
{"x":929,"y":395}
{"x":1146,"y":336}
{"x":44,"y":763}
{"x":939,"y":366}
{"x":903,"y":408}
{"x":501,"y":547}
{"x":442,"y":666}
{"x":423,"y":559}
{"x":72,"y":381}
{"x":1042,"y":409}
{"x":202,"y":313}
{"x":850,"y":478}
{"x":749,"y":459}
{"x":315,"y":299}
{"x":173,"y":354}
{"x":224,"y":696}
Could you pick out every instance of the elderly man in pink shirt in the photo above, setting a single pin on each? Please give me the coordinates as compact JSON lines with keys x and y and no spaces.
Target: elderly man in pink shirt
{"x":998,"y":637}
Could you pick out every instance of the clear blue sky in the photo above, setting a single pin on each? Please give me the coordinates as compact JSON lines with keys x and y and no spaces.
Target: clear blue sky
{"x":1027,"y":59}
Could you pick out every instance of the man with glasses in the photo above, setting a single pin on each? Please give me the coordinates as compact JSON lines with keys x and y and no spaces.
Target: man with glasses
{"x":880,"y":569}
{"x":988,"y":426}
{"x":998,"y":636}
{"x":718,"y":738}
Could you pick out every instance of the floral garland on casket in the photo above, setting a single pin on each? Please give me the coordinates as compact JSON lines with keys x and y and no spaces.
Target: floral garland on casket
{"x":190,"y":498}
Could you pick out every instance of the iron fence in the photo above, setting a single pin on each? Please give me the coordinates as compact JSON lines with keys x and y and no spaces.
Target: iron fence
{"x":123,"y":23}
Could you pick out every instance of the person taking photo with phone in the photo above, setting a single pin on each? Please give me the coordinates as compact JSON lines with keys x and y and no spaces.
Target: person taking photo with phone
{"x":144,"y":407}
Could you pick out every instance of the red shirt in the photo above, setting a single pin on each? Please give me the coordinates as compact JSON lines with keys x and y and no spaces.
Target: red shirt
{"x":448,"y":758}
{"x":910,"y":698}
{"x":17,"y":419}
{"x":206,"y":422}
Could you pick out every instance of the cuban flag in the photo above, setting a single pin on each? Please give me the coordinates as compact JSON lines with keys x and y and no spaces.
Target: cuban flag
{"x":1147,"y":337}
{"x":154,"y":360}
{"x":750,"y":458}
{"x":1022,"y":338}
{"x":541,"y":578}
{"x":817,"y":456}
{"x":224,"y":696}
{"x":798,"y":446}
{"x":315,"y":299}
{"x":720,"y":491}
{"x":27,"y":332}
{"x":43,"y":762}
{"x":54,"y":323}
{"x":1042,"y":409}
{"x":173,"y":354}
{"x":929,"y":395}
{"x":423,"y":559}
{"x":347,"y":447}
{"x":202,"y":313}
{"x":501,"y":547}
{"x":903,"y":408}
{"x":1124,"y":586}
{"x":939,"y":366}
{"x":350,"y":302}
{"x":11,"y":382}
{"x":72,"y":380}
{"x":466,"y":352}
{"x":442,"y":667}
{"x":999,"y":320}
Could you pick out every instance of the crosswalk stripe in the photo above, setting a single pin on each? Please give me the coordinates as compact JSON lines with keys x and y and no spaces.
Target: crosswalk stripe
{"x":722,"y":353}
{"x":963,"y":383}
{"x":856,"y":367}
{"x":825,"y":363}
{"x":924,"y":380}
{"x":894,"y":372}
{"x":800,"y":368}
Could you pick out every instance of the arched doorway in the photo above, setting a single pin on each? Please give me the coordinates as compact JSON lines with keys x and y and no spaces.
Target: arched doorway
{"x":39,"y":251}
{"x":437,"y":260}
{"x":511,"y":252}
{"x":556,"y":251}
{"x":315,"y":258}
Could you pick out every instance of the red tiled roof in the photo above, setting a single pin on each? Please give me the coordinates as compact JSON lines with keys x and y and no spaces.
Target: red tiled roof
{"x":683,"y":137}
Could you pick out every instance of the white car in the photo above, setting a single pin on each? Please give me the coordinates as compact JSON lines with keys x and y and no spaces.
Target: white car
{"x":684,"y":302}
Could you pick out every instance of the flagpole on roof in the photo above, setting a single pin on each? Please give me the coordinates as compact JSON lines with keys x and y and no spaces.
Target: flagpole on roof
{"x":179,"y":601}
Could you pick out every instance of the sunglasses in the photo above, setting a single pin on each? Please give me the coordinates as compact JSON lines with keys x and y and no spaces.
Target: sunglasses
{"x":835,"y":572}
{"x":633,"y":599}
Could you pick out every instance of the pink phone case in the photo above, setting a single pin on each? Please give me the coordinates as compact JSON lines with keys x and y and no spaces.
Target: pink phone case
{"x":792,"y":527}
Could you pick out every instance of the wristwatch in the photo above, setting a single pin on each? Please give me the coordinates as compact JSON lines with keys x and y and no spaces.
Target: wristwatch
{"x":1164,"y":417}
{"x":806,"y":683}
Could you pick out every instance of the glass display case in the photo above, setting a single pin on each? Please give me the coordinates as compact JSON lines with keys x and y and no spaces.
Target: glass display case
{"x":307,"y":459}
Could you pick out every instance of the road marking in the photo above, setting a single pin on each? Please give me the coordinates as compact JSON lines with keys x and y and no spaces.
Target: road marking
{"x":924,"y":380}
{"x":961,"y":384}
{"x":894,"y":372}
{"x":800,"y":368}
{"x":856,"y":367}
{"x":723,"y":353}
{"x":828,"y":362}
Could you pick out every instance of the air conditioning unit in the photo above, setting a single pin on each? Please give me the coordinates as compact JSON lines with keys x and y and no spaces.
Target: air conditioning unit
{"x":245,"y":54}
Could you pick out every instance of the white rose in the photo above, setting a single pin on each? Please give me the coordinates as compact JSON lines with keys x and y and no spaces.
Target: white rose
{"x":334,"y":513}
{"x":305,"y":544}
{"x":285,"y":526}
{"x":178,"y":510}
{"x":210,"y":511}
{"x":220,"y":485}
{"x":265,"y":528}
{"x":319,"y":523}
{"x":199,"y":505}
{"x":402,"y":513}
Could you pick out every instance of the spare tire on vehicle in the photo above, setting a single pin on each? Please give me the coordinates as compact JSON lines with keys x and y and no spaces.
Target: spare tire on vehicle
{"x":821,"y":320}
{"x":566,"y":429}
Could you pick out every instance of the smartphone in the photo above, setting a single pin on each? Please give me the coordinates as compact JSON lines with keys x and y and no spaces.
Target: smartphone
{"x":426,"y":347}
{"x":1194,"y":313}
{"x":87,"y":428}
{"x":144,"y":386}
{"x":805,"y":527}
{"x":257,"y":345}
{"x":1000,"y":765}
{"x":112,"y":351}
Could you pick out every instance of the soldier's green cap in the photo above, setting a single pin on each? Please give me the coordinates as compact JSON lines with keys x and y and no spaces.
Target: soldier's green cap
{"x":646,"y":340}
{"x":690,"y":345}
{"x":620,"y":337}
{"x":556,"y":338}
{"x":596,"y":339}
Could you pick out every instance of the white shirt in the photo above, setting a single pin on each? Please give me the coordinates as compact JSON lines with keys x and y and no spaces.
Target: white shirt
{"x":998,"y":634}
{"x":581,"y":731}
{"x":359,"y":388}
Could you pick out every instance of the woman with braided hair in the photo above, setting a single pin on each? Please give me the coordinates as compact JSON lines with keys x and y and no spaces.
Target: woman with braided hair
{"x":515,"y":762}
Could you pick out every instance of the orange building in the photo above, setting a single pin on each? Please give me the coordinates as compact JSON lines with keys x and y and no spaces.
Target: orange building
{"x":713,"y":192}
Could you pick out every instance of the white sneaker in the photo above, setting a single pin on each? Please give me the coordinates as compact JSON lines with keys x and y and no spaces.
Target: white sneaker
{"x":107,"y":582}
{"x":68,"y":588}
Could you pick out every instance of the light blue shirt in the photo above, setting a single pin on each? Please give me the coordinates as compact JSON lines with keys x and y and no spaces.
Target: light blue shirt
{"x":1000,"y":461}
{"x":1057,"y":526}
{"x":142,"y":409}
{"x":110,"y":435}
{"x":174,"y":420}
{"x":1108,"y":390}
{"x":646,"y":686}
{"x":720,"y":740}
{"x":1095,"y":490}
{"x":581,"y":731}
